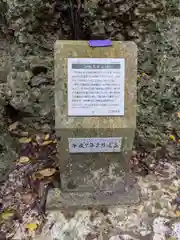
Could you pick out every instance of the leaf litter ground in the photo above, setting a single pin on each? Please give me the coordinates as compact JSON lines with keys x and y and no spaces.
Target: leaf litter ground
{"x":23,"y":194}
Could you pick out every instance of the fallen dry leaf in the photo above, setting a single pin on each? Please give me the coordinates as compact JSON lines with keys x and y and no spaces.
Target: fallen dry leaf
{"x":47,"y":172}
{"x":7,"y":215}
{"x":13,"y":126}
{"x":31,"y":226}
{"x":177,"y":213}
{"x":23,"y":159}
{"x":46,"y":137}
{"x":46,"y":143}
{"x":138,"y":77}
{"x":178,"y":114}
{"x":35,"y":176}
{"x":25,"y":140}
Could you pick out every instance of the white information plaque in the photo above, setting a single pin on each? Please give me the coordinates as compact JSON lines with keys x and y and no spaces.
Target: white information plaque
{"x":96,"y":86}
{"x":94,"y":145}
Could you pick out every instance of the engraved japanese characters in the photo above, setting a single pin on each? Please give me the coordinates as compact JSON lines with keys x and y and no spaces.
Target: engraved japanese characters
{"x":94,"y":145}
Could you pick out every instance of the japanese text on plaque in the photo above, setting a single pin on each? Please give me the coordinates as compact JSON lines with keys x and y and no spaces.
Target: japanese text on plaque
{"x":97,"y":88}
{"x":94,"y":145}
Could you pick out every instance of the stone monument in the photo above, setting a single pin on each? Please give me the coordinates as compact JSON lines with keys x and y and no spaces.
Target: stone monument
{"x":95,"y":118}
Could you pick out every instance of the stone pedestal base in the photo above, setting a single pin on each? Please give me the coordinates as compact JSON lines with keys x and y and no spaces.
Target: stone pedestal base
{"x":60,"y":200}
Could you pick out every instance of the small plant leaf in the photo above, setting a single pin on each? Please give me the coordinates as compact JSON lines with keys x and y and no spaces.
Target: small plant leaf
{"x":23,"y":159}
{"x":172,"y":137}
{"x":31,"y":226}
{"x":25,"y":140}
{"x":7,"y":215}
{"x":46,"y":137}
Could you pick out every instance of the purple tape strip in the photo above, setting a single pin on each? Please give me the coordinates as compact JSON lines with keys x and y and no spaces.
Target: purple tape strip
{"x":100,"y":43}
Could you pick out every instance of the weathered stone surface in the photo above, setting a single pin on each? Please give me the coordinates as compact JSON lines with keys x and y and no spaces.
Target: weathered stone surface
{"x":8,"y":153}
{"x":30,"y":88}
{"x":97,"y":171}
{"x":59,"y":200}
{"x":7,"y":143}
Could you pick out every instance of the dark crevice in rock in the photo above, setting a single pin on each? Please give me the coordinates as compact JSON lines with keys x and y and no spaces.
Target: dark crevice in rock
{"x":1,"y":148}
{"x":30,"y":84}
{"x":12,"y":114}
{"x":39,"y":69}
{"x":4,"y":9}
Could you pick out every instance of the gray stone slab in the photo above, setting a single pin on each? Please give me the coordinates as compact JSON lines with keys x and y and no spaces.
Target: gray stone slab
{"x":61,"y":200}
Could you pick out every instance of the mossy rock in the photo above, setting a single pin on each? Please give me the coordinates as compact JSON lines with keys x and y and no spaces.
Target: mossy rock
{"x":8,"y":153}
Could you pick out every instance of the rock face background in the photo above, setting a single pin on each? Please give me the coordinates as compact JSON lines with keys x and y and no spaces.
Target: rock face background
{"x":28,"y":30}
